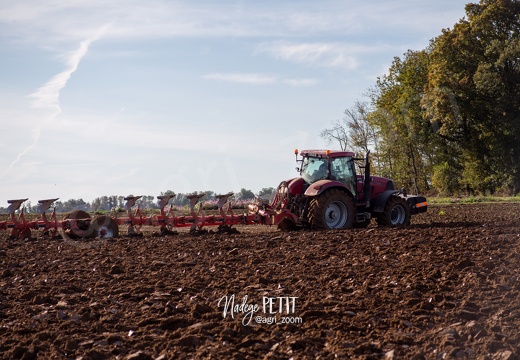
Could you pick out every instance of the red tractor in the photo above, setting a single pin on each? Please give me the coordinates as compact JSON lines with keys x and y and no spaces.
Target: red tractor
{"x":335,"y":190}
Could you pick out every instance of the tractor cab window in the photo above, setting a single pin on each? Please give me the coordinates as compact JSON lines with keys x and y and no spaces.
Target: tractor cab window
{"x":314,"y":169}
{"x":342,"y":169}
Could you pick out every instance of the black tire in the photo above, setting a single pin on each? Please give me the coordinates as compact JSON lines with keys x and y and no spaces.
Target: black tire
{"x":79,"y":224}
{"x":362,"y":225}
{"x":333,"y":209}
{"x":287,"y":225}
{"x":396,"y":213}
{"x":104,"y":227}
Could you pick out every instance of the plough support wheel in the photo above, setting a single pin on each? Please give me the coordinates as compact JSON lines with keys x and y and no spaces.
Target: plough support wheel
{"x":79,"y":224}
{"x":104,"y":227}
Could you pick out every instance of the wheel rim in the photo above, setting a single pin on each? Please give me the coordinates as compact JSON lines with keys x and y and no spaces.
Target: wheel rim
{"x":336,"y":215}
{"x":79,"y":223}
{"x":104,"y":227}
{"x":398,"y":215}
{"x":105,"y":232}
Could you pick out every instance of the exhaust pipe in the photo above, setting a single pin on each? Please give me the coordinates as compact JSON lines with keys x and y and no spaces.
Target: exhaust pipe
{"x":366,"y":185}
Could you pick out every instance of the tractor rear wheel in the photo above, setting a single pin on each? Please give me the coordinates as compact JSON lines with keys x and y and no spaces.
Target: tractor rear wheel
{"x":104,"y":227}
{"x":396,"y":213}
{"x":79,"y":224}
{"x":333,"y":209}
{"x":287,"y":225}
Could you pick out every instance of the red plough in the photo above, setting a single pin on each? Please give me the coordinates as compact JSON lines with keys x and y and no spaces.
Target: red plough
{"x":79,"y":224}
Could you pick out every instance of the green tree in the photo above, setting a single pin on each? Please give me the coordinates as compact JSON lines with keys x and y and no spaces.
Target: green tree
{"x":147,"y":202}
{"x":267,"y":193}
{"x":244,"y":194}
{"x":71,"y":204}
{"x":406,"y":138}
{"x":180,"y":200}
{"x":209,"y":195}
{"x":473,"y":93}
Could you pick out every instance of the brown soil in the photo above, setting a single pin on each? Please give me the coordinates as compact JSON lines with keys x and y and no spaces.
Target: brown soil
{"x":448,"y":286}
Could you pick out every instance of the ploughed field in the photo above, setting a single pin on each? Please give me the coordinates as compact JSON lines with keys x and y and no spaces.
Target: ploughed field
{"x":448,"y":286}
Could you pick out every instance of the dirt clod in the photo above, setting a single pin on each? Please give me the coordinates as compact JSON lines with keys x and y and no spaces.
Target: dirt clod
{"x":447,"y":286}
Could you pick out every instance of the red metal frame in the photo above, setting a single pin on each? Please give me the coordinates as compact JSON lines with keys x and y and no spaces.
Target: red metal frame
{"x":20,"y":227}
{"x":166,"y":220}
{"x":49,"y":225}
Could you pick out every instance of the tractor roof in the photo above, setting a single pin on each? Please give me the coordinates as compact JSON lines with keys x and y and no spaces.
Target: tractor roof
{"x":327,"y":153}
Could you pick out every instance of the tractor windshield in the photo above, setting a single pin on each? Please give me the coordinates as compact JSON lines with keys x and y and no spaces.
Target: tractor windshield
{"x":314,"y":169}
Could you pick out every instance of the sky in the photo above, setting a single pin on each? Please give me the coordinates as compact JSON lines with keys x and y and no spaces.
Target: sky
{"x":143,"y":96}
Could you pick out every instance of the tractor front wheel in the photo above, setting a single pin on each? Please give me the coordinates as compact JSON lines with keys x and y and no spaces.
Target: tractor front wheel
{"x":396,"y":213}
{"x":333,"y":209}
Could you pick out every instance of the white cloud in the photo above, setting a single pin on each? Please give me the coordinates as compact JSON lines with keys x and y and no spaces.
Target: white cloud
{"x":47,"y":96}
{"x":300,"y":82}
{"x":254,"y":79}
{"x":127,"y":127}
{"x":258,"y":79}
{"x":333,"y":55}
{"x":47,"y":22}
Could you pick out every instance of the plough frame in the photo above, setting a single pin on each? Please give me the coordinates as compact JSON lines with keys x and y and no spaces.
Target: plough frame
{"x":78,"y":224}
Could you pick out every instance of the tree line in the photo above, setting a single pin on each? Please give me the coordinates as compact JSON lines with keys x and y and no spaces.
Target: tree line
{"x":446,"y":119}
{"x":117,"y":203}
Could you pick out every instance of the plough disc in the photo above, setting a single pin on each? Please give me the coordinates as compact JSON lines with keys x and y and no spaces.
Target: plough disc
{"x":79,"y":225}
{"x":104,"y":227}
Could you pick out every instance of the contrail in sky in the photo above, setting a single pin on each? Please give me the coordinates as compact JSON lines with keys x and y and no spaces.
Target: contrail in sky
{"x":48,"y":95}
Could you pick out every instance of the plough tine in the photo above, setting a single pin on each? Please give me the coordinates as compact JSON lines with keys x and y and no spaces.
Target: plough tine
{"x":194,"y":199}
{"x":136,"y":219}
{"x":198,"y":218}
{"x":20,"y":227}
{"x":49,"y":225}
{"x":164,"y":220}
{"x":223,"y":200}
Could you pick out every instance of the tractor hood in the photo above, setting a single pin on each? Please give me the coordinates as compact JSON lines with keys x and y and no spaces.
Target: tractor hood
{"x":377,"y":183}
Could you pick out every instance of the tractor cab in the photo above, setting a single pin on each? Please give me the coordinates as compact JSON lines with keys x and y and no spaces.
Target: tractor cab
{"x":338,"y":166}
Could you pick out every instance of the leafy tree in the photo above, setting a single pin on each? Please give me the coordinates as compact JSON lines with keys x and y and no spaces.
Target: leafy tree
{"x":449,"y":115}
{"x":167,"y":192}
{"x":406,"y":144}
{"x":244,"y":194}
{"x":147,"y":202}
{"x":473,"y":94}
{"x":209,"y":195}
{"x":180,"y":200}
{"x":71,"y":204}
{"x":267,"y":193}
